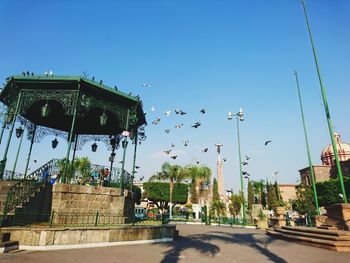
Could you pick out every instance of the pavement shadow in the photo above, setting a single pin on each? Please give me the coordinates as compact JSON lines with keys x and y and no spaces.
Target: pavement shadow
{"x":198,"y":242}
{"x":202,"y":243}
{"x":250,"y":240}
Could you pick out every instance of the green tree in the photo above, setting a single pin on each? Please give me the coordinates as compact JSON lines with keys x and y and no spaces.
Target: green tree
{"x":158,"y":192}
{"x":216,"y":195}
{"x":198,"y":175}
{"x":236,"y":201}
{"x":305,"y":201}
{"x":218,"y":208}
{"x":258,"y":187}
{"x":250,"y":195}
{"x":278,"y":193}
{"x":172,"y":174}
{"x":83,"y":167}
{"x":272,"y":201}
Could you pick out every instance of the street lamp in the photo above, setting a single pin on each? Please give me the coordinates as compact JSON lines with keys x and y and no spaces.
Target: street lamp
{"x":239,"y":117}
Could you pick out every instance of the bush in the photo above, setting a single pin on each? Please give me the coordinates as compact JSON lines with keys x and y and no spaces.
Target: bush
{"x":328,"y":191}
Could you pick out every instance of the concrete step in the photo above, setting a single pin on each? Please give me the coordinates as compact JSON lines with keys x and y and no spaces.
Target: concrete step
{"x":313,"y":235}
{"x":317,"y":230}
{"x":8,"y":246}
{"x":340,"y":246}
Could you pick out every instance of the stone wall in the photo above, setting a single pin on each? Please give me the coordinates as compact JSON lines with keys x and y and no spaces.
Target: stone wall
{"x":80,"y":199}
{"x":74,"y":236}
{"x":321,"y":172}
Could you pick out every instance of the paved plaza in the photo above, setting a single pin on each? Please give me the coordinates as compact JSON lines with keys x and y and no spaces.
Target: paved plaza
{"x":196,"y":244}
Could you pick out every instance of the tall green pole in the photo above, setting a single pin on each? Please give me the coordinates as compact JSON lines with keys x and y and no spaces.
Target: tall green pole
{"x":307,"y":145}
{"x":4,"y":159}
{"x":30,"y":152}
{"x":74,"y":152}
{"x":18,"y":150}
{"x":240,"y":170}
{"x":328,"y":116}
{"x":125,"y":145}
{"x":71,"y":135}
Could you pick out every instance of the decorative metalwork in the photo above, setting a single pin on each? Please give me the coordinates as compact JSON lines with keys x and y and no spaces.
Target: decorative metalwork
{"x":88,"y":103}
{"x":106,"y":139}
{"x":66,"y":98}
{"x":16,"y":175}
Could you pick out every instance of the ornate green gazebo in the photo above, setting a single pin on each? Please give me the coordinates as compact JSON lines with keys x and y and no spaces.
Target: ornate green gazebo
{"x":75,"y":108}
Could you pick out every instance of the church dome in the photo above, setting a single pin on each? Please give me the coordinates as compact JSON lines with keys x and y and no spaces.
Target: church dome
{"x":327,"y":155}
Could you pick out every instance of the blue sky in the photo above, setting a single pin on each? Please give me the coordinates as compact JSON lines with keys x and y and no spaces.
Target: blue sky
{"x":218,"y":55}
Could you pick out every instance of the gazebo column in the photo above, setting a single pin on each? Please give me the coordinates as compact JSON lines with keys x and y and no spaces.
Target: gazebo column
{"x":16,"y":159}
{"x":134,"y":161}
{"x":113,"y":142}
{"x":133,"y":173}
{"x":30,"y":152}
{"x":3,"y":125}
{"x":4,"y":159}
{"x":124,"y":145}
{"x":74,"y":151}
{"x":71,"y":135}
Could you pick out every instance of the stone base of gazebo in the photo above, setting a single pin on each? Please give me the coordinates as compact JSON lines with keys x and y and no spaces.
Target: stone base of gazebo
{"x":79,"y":204}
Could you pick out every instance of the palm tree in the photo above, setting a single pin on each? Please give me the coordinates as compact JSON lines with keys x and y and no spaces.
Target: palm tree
{"x":172,"y":174}
{"x":258,"y":187}
{"x":83,"y":166}
{"x":198,"y":175}
{"x":218,"y":208}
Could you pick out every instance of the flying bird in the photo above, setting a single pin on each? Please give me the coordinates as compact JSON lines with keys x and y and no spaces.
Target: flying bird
{"x":267,"y":142}
{"x":203,"y":111}
{"x":247,"y":157}
{"x":172,"y":145}
{"x":174,"y":157}
{"x":197,"y":162}
{"x":141,"y":178}
{"x":156,"y":121}
{"x":179,"y":125}
{"x":177,"y":111}
{"x":93,"y":78}
{"x":185,"y":143}
{"x":167,"y":151}
{"x":23,"y":73}
{"x":182,"y":112}
{"x":196,"y":125}
{"x":167,"y":130}
{"x":245,"y":163}
{"x":167,"y":113}
{"x":46,"y":73}
{"x":246,"y":177}
{"x":245,"y":173}
{"x":224,"y":159}
{"x":205,"y":150}
{"x":145,"y":85}
{"x":34,"y":161}
{"x":32,"y":74}
{"x":137,"y":167}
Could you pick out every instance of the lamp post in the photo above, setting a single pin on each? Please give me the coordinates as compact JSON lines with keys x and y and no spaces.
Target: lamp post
{"x":326,"y":109}
{"x":239,"y":117}
{"x":307,"y":146}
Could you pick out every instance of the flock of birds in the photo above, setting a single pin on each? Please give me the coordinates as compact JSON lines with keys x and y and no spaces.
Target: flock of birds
{"x":177,"y":126}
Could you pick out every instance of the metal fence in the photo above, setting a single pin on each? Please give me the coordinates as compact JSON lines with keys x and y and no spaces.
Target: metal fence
{"x":60,"y":219}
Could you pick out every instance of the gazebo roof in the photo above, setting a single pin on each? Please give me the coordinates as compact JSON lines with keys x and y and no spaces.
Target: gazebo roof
{"x":62,"y":93}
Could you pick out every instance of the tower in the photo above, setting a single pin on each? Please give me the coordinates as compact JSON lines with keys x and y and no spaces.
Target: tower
{"x":220,"y":177}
